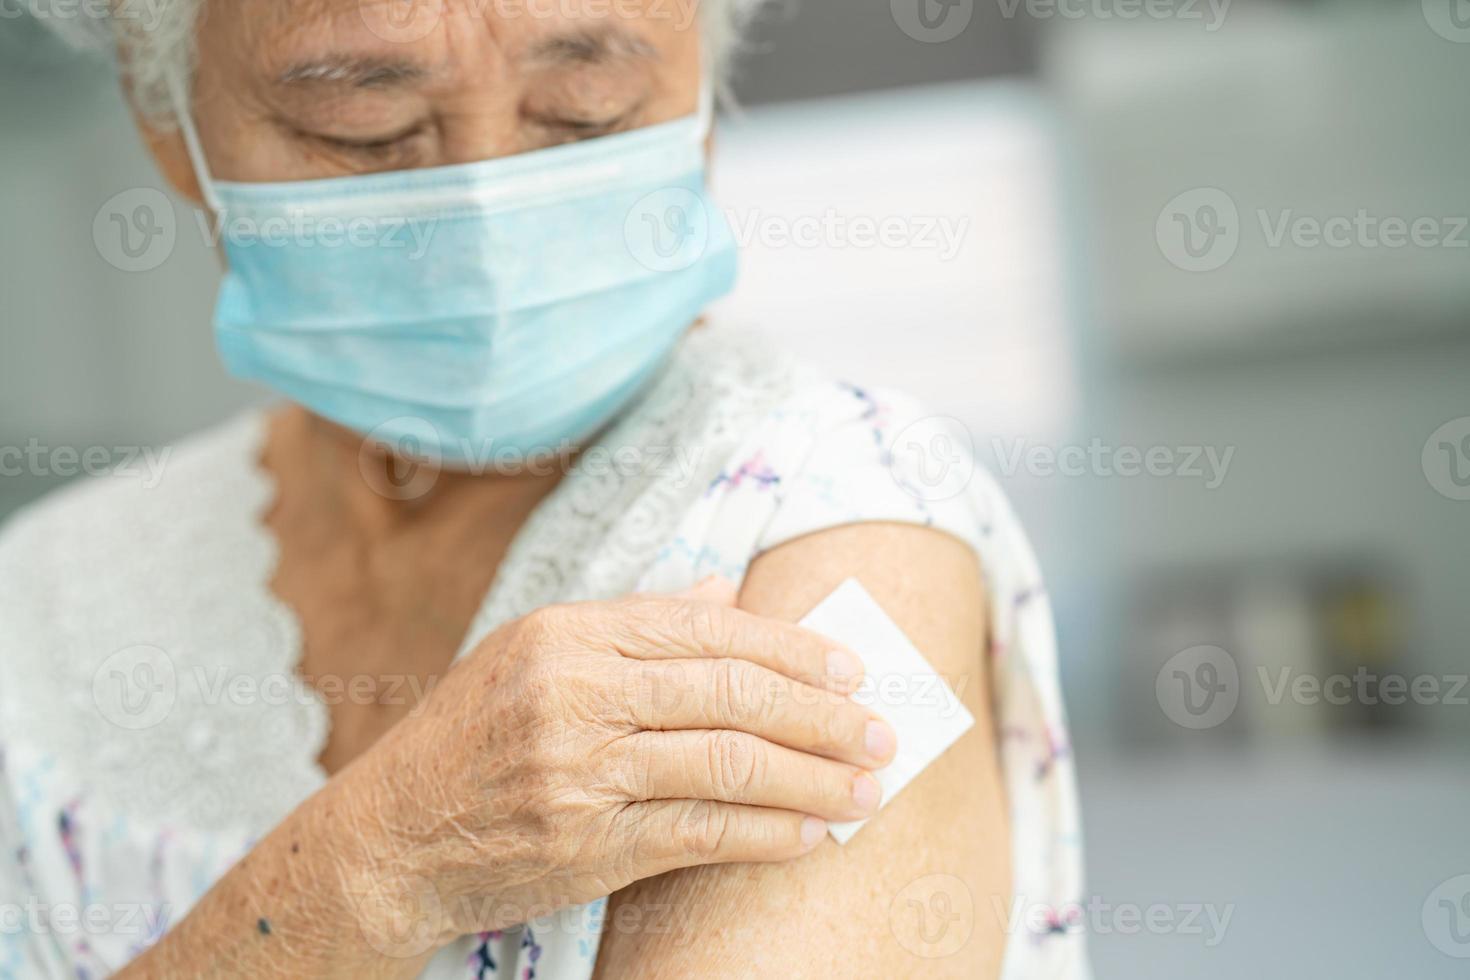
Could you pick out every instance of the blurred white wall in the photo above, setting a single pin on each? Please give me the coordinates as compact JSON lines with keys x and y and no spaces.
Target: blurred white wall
{"x":968,"y":302}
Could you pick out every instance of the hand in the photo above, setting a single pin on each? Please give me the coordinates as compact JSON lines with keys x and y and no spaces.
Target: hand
{"x":588,"y":746}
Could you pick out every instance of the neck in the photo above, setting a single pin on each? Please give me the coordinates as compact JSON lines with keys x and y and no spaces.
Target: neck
{"x":380,"y":494}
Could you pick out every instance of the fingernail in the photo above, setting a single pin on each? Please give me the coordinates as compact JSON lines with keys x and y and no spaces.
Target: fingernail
{"x":866,"y":792}
{"x":844,"y":666}
{"x":813,"y":829}
{"x":879,"y":740}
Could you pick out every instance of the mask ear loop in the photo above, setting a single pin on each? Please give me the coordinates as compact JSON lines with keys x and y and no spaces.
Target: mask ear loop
{"x":705,"y":115}
{"x":191,"y":141}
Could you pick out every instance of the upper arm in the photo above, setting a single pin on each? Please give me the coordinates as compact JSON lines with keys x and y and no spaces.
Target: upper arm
{"x":916,"y":891}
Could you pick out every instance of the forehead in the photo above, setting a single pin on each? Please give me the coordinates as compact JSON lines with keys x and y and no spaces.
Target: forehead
{"x":438,"y":34}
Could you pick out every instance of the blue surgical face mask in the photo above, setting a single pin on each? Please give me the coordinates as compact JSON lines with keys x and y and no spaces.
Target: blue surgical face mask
{"x":499,"y":309}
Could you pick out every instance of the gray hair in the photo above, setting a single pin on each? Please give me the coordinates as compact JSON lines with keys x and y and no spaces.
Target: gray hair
{"x":153,"y":42}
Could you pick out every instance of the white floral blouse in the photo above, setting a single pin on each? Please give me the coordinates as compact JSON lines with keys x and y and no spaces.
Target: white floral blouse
{"x":152,"y":726}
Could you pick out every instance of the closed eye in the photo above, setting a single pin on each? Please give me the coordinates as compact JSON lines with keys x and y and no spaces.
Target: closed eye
{"x":374,"y":145}
{"x":582,"y":127}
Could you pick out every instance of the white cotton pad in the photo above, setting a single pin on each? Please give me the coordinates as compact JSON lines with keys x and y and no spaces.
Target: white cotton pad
{"x":901,"y":687}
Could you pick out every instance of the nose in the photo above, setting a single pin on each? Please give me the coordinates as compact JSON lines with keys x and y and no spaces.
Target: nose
{"x":481,"y":128}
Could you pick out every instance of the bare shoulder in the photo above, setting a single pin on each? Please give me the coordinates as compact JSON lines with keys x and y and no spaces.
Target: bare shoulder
{"x":914,"y":893}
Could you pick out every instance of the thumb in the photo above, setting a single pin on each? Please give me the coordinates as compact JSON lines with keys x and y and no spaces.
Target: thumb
{"x":716,"y":589}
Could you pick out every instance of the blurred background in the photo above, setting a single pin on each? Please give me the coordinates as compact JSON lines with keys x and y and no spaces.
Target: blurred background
{"x":1196,"y":277}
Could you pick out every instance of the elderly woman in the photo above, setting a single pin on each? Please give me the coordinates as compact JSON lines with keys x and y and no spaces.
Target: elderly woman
{"x":470,"y":245}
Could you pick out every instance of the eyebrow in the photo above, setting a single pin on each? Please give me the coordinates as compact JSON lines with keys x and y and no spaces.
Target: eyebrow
{"x":353,"y":71}
{"x":589,"y":46}
{"x":586,"y":46}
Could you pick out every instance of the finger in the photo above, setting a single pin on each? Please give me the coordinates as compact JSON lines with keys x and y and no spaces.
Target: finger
{"x":661,"y":628}
{"x":672,"y":834}
{"x":742,"y":696}
{"x":733,"y":767}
